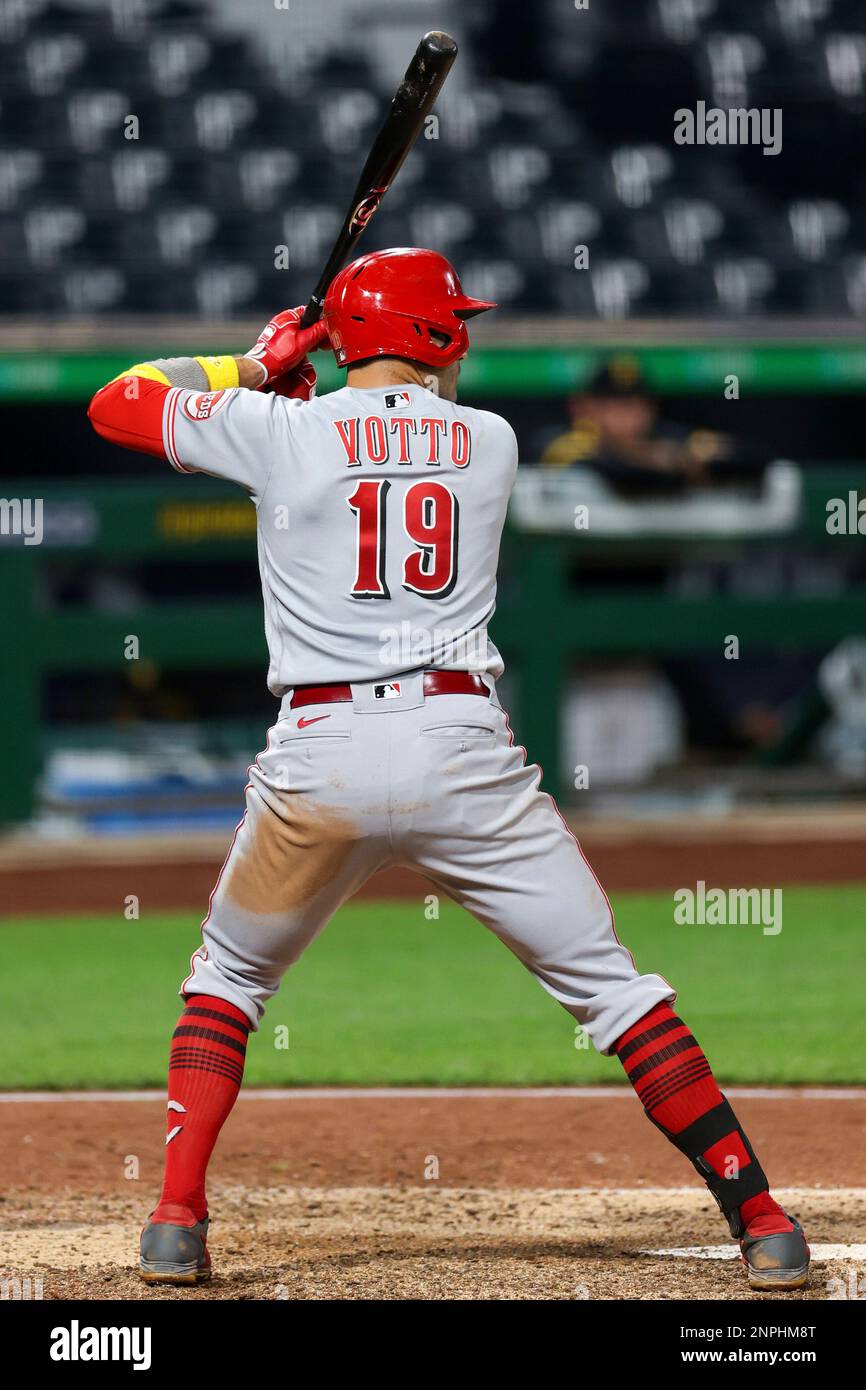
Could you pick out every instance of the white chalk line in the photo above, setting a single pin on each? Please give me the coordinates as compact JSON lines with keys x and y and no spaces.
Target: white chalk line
{"x":854,"y":1093}
{"x":820,"y":1253}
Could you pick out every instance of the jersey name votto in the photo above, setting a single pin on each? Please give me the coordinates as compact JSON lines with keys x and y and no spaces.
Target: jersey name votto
{"x":378,"y":439}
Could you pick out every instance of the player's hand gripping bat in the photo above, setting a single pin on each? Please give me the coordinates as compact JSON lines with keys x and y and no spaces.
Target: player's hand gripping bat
{"x":412,"y":103}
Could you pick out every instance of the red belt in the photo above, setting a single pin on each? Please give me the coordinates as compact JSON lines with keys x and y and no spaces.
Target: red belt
{"x":435,"y":683}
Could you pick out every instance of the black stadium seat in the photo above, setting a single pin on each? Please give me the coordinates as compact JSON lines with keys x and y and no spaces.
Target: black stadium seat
{"x":153,"y":154}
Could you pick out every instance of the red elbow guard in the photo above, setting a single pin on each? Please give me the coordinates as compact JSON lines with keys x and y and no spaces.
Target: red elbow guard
{"x":129,"y":412}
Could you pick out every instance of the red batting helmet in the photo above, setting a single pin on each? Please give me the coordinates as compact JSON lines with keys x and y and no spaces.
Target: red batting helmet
{"x":406,"y":302}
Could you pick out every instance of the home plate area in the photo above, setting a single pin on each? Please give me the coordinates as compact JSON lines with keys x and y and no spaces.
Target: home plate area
{"x":423,"y":1195}
{"x":447,"y":1243}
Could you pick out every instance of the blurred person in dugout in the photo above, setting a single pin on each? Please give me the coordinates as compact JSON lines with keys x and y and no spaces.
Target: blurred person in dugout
{"x":617,"y":432}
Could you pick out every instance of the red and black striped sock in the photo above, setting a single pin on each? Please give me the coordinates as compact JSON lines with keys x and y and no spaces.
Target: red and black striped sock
{"x":205,"y":1070}
{"x":676,"y":1086}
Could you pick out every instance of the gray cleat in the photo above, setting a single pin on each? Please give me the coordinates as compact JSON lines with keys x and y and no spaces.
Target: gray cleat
{"x":174,"y":1254}
{"x":779,"y":1261}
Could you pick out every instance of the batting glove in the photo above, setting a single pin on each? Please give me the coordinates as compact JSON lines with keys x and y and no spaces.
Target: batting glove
{"x":282,"y":345}
{"x":300,"y":382}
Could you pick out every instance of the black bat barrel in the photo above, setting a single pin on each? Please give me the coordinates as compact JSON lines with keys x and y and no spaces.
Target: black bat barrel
{"x":412,"y":103}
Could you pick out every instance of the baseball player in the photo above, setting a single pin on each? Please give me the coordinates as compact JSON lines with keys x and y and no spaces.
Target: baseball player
{"x":380,"y":509}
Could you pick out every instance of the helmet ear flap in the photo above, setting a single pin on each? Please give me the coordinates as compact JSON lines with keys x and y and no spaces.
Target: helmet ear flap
{"x":436,"y":337}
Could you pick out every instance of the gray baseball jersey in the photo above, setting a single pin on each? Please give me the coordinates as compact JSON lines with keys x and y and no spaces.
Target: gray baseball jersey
{"x":380,"y":513}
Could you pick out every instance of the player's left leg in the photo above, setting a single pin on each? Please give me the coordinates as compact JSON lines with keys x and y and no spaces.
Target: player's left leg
{"x":499,"y":846}
{"x":674,"y":1082}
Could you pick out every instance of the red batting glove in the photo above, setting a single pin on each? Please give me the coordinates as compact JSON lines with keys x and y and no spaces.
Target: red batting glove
{"x":283,"y":345}
{"x":300,"y":382}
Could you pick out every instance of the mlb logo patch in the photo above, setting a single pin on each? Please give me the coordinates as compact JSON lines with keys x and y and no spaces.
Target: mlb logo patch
{"x":397,"y":400}
{"x":391,"y":690}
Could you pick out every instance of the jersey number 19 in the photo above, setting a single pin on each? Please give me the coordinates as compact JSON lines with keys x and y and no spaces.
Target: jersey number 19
{"x":430,"y":516}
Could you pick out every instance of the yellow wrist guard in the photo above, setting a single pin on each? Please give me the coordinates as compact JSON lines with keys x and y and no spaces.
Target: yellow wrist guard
{"x":220,"y":371}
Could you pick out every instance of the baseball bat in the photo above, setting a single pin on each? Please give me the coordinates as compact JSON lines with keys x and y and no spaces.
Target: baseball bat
{"x":411,"y":104}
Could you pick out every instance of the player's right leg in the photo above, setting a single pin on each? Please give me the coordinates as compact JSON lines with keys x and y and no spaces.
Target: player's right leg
{"x":302,"y":848}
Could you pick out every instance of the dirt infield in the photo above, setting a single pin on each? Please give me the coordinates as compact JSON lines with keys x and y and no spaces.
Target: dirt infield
{"x":452,"y":1196}
{"x":428,"y":1196}
{"x":771,"y":848}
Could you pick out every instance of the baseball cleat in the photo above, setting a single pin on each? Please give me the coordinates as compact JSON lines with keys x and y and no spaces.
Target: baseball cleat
{"x":175,"y":1252}
{"x":777,"y":1261}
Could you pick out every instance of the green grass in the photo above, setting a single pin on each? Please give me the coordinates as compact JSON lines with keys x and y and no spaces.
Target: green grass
{"x":387,"y":997}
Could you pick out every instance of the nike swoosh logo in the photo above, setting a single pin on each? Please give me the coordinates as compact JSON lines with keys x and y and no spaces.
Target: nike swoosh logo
{"x":303,"y":723}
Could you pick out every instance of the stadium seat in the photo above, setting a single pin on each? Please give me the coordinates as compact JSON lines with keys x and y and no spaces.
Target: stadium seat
{"x":163,"y":136}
